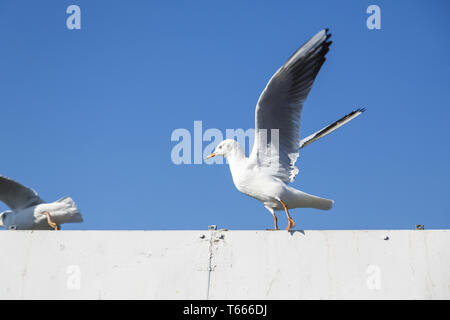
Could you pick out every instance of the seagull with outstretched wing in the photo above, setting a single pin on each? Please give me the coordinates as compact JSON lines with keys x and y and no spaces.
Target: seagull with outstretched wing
{"x":265,"y":174}
{"x":30,"y":212}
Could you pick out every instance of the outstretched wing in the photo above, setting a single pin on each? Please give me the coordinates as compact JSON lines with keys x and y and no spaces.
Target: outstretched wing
{"x":330,"y":128}
{"x":17,"y":196}
{"x":280,"y":106}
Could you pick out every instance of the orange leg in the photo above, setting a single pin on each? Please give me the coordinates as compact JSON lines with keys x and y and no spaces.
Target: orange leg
{"x":275,"y":220}
{"x":291,"y":223}
{"x":50,"y":221}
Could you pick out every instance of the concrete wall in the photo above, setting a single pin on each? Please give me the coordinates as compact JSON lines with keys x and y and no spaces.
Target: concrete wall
{"x":382,"y":264}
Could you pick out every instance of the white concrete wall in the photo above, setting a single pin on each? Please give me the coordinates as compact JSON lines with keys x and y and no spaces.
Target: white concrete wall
{"x":382,"y":264}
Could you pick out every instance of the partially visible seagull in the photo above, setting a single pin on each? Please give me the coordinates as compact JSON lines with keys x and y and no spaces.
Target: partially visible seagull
{"x":30,"y":212}
{"x":271,"y":166}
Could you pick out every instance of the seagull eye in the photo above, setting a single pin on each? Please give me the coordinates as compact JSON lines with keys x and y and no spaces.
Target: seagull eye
{"x":220,"y":147}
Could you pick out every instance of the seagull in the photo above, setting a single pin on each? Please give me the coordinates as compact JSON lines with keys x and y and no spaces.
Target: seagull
{"x":30,"y":212}
{"x":266,"y":173}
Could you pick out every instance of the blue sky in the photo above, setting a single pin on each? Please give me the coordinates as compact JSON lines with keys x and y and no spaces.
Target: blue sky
{"x":89,"y":113}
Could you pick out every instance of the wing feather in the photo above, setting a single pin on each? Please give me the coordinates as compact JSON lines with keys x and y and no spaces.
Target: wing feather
{"x":279,"y":108}
{"x":330,"y":128}
{"x":17,"y":196}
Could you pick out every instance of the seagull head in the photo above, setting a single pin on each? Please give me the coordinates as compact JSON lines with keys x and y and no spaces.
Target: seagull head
{"x":226,"y":148}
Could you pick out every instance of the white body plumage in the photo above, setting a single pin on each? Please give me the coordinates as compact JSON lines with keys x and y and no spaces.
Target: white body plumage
{"x":61,"y":211}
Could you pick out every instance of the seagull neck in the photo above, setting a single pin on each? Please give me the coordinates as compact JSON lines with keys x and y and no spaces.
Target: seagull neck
{"x":236,"y":157}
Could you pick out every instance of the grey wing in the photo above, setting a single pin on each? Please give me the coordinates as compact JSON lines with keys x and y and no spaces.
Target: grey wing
{"x":280,"y":106}
{"x":330,"y":128}
{"x":17,"y":196}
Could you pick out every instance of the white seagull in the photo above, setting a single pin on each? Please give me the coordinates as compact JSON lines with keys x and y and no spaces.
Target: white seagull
{"x":271,"y":166}
{"x":30,"y":212}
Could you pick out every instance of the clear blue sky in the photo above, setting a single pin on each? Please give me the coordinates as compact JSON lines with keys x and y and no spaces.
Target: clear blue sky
{"x":89,"y":113}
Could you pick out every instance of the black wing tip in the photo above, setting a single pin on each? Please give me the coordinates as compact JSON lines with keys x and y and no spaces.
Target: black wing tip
{"x":360,"y":110}
{"x":327,"y":41}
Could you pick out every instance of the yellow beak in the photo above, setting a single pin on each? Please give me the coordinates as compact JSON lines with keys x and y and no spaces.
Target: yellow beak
{"x":212,"y":155}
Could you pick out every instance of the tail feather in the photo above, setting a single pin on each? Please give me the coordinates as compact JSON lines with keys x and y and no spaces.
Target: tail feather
{"x":65,"y":211}
{"x":305,"y":200}
{"x":322,"y":203}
